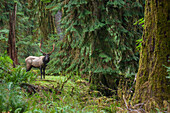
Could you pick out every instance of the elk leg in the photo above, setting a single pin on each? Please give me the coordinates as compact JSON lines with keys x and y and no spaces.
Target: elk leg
{"x":41,"y":71}
{"x":44,"y":72}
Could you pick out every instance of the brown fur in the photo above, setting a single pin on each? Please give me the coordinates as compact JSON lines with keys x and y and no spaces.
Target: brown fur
{"x":33,"y":61}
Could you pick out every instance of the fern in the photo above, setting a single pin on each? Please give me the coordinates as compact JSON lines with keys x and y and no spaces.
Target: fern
{"x":11,"y":98}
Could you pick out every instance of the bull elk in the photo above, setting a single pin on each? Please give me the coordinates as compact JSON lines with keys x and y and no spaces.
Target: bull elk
{"x":38,"y":62}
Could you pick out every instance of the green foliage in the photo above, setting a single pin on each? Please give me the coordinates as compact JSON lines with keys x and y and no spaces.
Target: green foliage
{"x":92,"y":29}
{"x":16,"y":75}
{"x":27,"y":27}
{"x":3,"y":39}
{"x":168,"y":70}
{"x":73,"y":98}
{"x":99,"y":37}
{"x":27,"y":30}
{"x":11,"y":98}
{"x":140,"y":22}
{"x":139,"y":41}
{"x":19,"y":75}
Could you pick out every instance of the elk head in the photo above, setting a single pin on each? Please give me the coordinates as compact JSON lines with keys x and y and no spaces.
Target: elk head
{"x":47,"y":55}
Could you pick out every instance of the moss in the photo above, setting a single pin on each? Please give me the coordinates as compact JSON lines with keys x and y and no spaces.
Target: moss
{"x":151,"y":83}
{"x":53,"y":81}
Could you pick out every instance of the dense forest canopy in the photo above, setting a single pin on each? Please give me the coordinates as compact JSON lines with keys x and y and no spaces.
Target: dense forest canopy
{"x":97,"y":41}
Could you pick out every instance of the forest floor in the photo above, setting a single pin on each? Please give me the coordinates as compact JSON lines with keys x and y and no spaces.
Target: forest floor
{"x":66,"y":94}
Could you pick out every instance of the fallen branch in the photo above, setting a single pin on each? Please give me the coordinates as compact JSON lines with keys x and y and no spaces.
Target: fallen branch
{"x":29,"y":87}
{"x":47,"y":80}
{"x":65,"y":83}
{"x":130,"y":90}
{"x":128,"y":107}
{"x":125,"y":102}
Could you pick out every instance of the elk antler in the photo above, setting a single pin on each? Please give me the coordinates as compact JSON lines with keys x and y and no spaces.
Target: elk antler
{"x":46,"y":53}
{"x":52,"y":50}
{"x":41,"y":50}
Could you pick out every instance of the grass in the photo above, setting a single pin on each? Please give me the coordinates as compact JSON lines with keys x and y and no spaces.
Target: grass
{"x":75,"y":97}
{"x":53,"y":80}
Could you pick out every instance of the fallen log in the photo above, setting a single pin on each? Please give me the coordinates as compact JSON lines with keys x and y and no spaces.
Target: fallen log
{"x":32,"y":89}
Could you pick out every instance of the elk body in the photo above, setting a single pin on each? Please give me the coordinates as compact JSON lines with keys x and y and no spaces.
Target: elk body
{"x":38,"y":62}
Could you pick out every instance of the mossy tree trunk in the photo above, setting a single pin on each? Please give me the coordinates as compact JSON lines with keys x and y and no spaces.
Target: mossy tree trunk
{"x":151,"y":83}
{"x":12,"y":52}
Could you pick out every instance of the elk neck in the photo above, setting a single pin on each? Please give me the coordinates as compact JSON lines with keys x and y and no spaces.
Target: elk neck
{"x":46,"y":59}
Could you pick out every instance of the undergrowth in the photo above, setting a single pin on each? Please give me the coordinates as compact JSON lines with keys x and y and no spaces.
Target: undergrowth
{"x":75,"y":97}
{"x":74,"y":93}
{"x":57,"y":94}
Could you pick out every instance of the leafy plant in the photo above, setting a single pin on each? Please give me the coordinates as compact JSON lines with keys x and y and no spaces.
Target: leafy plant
{"x":16,"y":75}
{"x":11,"y":98}
{"x":98,"y":37}
{"x":6,"y":65}
{"x":75,"y":97}
{"x":140,"y":22}
{"x":3,"y":39}
{"x":139,"y":41}
{"x":168,"y":70}
{"x":19,"y":75}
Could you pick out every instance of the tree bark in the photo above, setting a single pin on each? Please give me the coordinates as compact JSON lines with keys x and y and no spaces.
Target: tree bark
{"x":58,"y":17}
{"x":151,"y":84}
{"x":12,"y":52}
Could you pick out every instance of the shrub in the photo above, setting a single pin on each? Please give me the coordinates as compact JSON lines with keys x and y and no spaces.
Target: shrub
{"x":11,"y":98}
{"x":16,"y":75}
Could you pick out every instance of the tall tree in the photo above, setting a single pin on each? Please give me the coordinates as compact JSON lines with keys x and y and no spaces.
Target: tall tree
{"x":151,"y":83}
{"x":12,"y":52}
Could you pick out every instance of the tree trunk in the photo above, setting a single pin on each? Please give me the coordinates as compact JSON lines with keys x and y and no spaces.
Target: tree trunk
{"x":12,"y":52}
{"x":151,"y":83}
{"x":58,"y":17}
